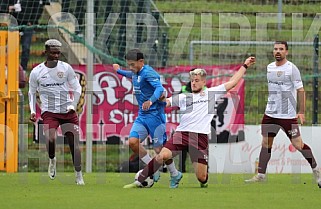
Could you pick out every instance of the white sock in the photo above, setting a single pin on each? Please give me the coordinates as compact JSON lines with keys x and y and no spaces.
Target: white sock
{"x":261,"y":175}
{"x":172,"y":169}
{"x":146,"y":159}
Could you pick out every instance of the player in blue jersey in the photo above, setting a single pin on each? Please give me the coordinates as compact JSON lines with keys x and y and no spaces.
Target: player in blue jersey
{"x":151,"y":115}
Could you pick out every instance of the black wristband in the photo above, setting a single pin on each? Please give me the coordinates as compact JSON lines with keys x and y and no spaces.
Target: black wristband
{"x":245,"y":66}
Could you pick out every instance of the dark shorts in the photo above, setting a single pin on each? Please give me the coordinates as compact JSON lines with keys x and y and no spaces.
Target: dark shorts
{"x":271,"y":126}
{"x":195,"y":143}
{"x":67,"y":121}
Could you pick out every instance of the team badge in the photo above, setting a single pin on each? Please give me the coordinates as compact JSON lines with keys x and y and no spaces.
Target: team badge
{"x":279,"y":73}
{"x":60,"y":74}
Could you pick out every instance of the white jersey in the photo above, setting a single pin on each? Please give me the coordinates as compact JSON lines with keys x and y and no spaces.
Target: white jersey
{"x":197,"y":110}
{"x":283,"y":82}
{"x":56,"y":87}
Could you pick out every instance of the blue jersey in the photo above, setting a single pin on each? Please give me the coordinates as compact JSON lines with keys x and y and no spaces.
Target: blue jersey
{"x":146,"y":86}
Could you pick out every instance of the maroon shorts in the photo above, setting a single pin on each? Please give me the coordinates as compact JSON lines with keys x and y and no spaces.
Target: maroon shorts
{"x":271,"y":126}
{"x":195,"y":143}
{"x":67,"y":121}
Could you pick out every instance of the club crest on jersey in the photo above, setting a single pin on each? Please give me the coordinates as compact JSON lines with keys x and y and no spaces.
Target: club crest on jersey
{"x":138,"y":79}
{"x":279,"y":73}
{"x":60,"y":74}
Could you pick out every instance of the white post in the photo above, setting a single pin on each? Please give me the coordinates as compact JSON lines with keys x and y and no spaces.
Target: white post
{"x":90,"y":62}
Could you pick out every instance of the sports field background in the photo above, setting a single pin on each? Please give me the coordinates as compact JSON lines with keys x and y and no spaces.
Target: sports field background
{"x":255,"y":86}
{"x":32,"y":189}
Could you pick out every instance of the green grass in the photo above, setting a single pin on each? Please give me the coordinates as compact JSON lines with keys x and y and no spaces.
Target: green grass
{"x":104,"y":190}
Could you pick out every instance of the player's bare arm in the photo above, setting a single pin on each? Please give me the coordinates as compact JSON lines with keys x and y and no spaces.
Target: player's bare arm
{"x":301,"y":102}
{"x":239,"y":74}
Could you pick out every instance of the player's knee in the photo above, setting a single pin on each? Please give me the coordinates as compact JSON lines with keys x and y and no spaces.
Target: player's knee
{"x":162,"y":157}
{"x":133,"y":142}
{"x":265,"y":144}
{"x":159,"y":158}
{"x":297,"y":145}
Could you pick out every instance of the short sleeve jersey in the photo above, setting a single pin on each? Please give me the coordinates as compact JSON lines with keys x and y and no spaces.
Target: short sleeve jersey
{"x":197,"y":109}
{"x":283,"y":82}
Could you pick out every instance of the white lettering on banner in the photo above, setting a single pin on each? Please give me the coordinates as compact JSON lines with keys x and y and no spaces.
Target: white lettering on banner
{"x":117,"y":116}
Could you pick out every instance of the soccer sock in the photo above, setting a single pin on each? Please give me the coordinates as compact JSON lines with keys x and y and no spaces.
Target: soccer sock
{"x":307,"y":154}
{"x":264,"y":158}
{"x":146,"y":159}
{"x":149,"y":170}
{"x":51,"y":149}
{"x":171,"y":167}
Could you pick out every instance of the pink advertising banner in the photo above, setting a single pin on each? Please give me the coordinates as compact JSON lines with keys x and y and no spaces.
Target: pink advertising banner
{"x":115,"y":109}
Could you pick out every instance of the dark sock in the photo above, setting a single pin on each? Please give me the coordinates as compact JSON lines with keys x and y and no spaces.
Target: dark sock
{"x":149,"y":170}
{"x":307,"y":154}
{"x":51,"y":149}
{"x":264,"y":158}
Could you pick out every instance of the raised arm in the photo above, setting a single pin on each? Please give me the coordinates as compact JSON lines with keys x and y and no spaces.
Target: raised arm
{"x":239,"y":74}
{"x":126,"y":73}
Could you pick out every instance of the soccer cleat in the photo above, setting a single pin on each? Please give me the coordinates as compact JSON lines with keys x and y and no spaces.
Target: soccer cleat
{"x":173,"y":183}
{"x":317,"y":175}
{"x":204,"y":185}
{"x":156,"y":176}
{"x":256,"y":178}
{"x":133,"y":185}
{"x":79,"y":178}
{"x":52,"y":168}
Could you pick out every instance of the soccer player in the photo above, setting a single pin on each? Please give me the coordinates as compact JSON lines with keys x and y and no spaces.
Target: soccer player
{"x":55,"y":81}
{"x":151,"y":115}
{"x":192,"y":132}
{"x":284,"y":86}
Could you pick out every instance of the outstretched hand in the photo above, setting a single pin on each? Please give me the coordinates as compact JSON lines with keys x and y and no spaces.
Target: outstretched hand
{"x":116,"y":67}
{"x":250,"y":61}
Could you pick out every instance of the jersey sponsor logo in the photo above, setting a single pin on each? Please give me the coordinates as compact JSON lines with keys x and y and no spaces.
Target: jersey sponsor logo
{"x":197,"y":102}
{"x":52,"y":84}
{"x":60,"y":74}
{"x":280,"y":83}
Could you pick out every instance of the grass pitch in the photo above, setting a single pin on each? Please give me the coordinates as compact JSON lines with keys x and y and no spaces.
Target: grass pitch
{"x":104,"y":190}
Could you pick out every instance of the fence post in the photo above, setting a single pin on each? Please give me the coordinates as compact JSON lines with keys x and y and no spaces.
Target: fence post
{"x":315,"y":79}
{"x":3,"y":41}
